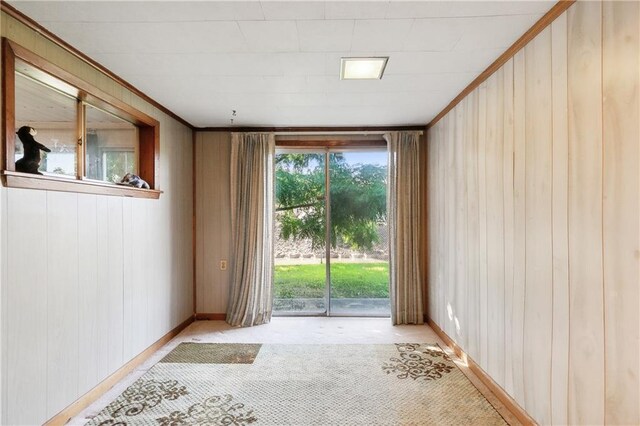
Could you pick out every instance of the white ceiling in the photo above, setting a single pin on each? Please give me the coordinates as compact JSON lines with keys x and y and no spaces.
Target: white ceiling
{"x":277,"y":63}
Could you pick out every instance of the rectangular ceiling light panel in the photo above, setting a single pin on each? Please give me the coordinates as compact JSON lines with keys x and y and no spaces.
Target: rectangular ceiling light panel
{"x":362,"y":68}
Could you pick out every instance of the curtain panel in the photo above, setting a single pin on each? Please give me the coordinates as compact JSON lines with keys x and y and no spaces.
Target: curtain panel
{"x":252,"y":169}
{"x":403,"y":207}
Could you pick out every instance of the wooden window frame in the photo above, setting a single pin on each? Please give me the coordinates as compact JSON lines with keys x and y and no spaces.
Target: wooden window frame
{"x":331,"y":143}
{"x":85,"y":93}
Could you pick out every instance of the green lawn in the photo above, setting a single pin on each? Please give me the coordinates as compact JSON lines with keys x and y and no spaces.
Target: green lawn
{"x":349,"y":280}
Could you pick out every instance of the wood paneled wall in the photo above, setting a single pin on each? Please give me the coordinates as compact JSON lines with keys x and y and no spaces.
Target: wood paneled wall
{"x":88,"y":281}
{"x":213,"y":221}
{"x":534,"y":220}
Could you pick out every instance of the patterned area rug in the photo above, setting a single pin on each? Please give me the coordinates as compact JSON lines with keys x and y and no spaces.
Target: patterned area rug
{"x":240,"y":384}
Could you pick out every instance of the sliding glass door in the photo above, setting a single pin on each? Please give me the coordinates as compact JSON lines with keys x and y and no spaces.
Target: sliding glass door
{"x":331,"y":255}
{"x":300,"y":273}
{"x":359,"y":252}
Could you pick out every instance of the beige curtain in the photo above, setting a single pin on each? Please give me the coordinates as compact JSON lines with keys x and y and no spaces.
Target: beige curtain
{"x":403,"y":207}
{"x":252,"y":165}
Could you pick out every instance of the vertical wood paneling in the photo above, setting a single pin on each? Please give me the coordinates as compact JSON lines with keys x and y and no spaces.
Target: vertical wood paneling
{"x":128,"y":324}
{"x":27,"y":292}
{"x":213,"y":221}
{"x":473,"y":268}
{"x":519,"y":223}
{"x":495,"y":226}
{"x":143,"y":263}
{"x":586,"y":328}
{"x":3,"y":301}
{"x":430,"y":145}
{"x":147,"y":262}
{"x":103,"y":309}
{"x":482,"y":222}
{"x":557,"y":152}
{"x":88,"y":319}
{"x":621,"y":212}
{"x":62,"y":292}
{"x":115,"y":288}
{"x":423,"y":153}
{"x":439,"y":224}
{"x":157,"y":297}
{"x":444,"y":252}
{"x":560,"y":341}
{"x":71,"y":261}
{"x":507,"y":192}
{"x":491,"y":195}
{"x":442,"y":274}
{"x":432,"y":264}
{"x":203,"y":202}
{"x":180,"y":222}
{"x":460,"y":291}
{"x":3,"y":280}
{"x":450,"y":223}
{"x":186,"y":306}
{"x":539,"y":265}
{"x":433,"y":145}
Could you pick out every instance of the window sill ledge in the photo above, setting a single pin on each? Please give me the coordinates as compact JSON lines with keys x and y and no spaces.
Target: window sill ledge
{"x":51,"y":183}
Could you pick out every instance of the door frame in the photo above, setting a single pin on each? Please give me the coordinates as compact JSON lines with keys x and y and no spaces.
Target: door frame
{"x":326,"y":147}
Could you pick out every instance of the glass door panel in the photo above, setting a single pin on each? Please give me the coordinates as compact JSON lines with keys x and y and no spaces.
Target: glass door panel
{"x":359,"y":255}
{"x":300,"y":283}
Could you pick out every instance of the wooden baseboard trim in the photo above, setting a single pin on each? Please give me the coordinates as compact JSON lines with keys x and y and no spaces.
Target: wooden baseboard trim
{"x":88,"y":398}
{"x":500,"y":393}
{"x":210,"y":317}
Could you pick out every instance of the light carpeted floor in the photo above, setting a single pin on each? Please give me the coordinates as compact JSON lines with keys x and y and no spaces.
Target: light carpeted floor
{"x":319,"y":353}
{"x":276,"y":384}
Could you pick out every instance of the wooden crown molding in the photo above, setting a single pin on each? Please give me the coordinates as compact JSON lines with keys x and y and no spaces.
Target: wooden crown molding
{"x":536,"y":29}
{"x":540,"y":25}
{"x":30,"y":23}
{"x":301,"y":129}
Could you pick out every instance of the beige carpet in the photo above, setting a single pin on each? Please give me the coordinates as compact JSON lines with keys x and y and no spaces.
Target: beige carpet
{"x":276,"y":384}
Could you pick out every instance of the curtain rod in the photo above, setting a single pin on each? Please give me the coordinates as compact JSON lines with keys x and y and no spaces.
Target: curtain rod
{"x":329,"y":133}
{"x":317,"y":130}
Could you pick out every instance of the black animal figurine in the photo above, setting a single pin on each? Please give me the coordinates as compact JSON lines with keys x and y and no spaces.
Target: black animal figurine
{"x":30,"y":161}
{"x":134,"y":180}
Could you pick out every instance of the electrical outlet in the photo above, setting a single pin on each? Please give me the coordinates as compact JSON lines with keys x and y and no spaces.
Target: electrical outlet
{"x":223,"y":265}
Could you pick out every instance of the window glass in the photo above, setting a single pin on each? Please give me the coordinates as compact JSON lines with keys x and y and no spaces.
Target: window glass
{"x":66,"y":127}
{"x":53,"y":115}
{"x":111,"y":146}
